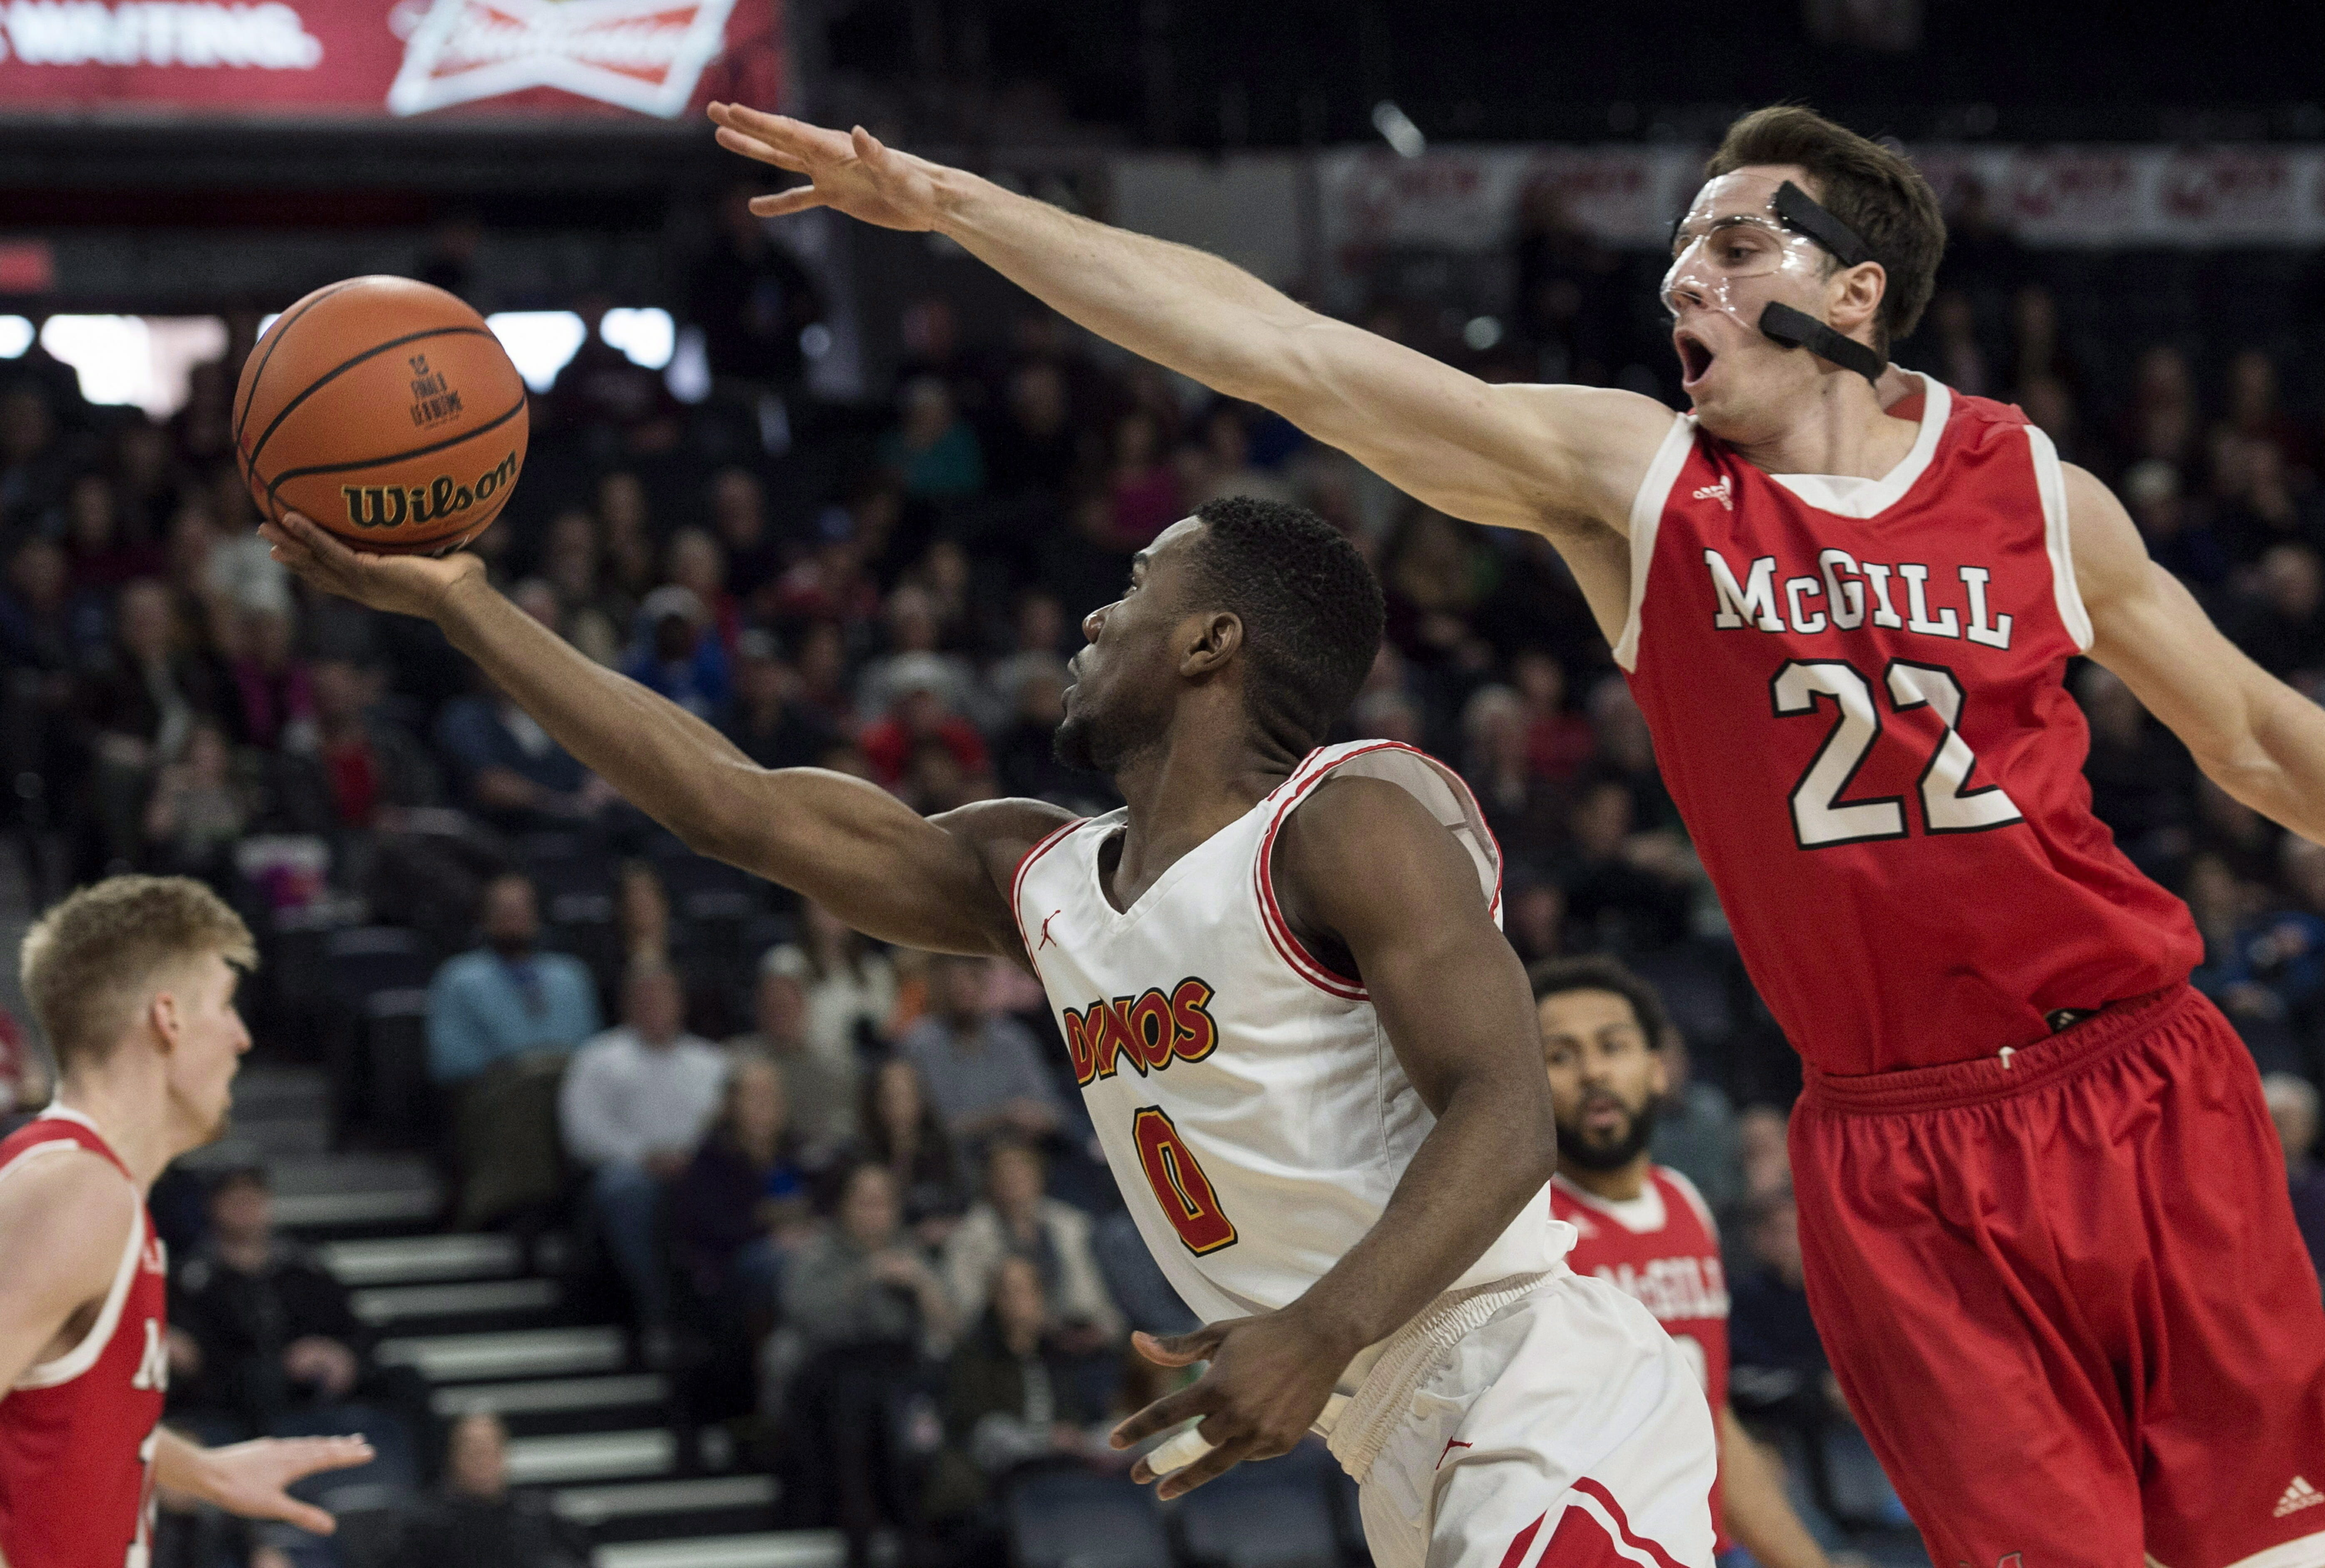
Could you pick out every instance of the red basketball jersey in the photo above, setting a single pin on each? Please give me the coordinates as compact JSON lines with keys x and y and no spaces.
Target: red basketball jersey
{"x":1661,"y":1249}
{"x":77,"y":1434}
{"x":1855,"y":688}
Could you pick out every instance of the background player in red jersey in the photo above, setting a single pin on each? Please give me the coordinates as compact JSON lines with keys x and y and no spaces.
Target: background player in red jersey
{"x":132,"y":982}
{"x":2061,"y":1345}
{"x":1644,"y":1227}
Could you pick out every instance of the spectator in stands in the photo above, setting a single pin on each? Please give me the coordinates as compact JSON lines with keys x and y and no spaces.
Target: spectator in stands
{"x":271,"y":700}
{"x":634,"y":1102}
{"x":752,"y":300}
{"x":1525,"y":810}
{"x":501,"y":1019}
{"x":198,"y":810}
{"x":2178,"y":533}
{"x":1025,"y":751}
{"x":364,"y":767}
{"x":915,"y":660}
{"x":851,"y":989}
{"x":264,"y":1340}
{"x":478,"y":1521}
{"x":1534,"y":914}
{"x":1017,"y":1220}
{"x":918,"y":716}
{"x":642,"y":914}
{"x":1559,"y":741}
{"x":570,"y":562}
{"x":767,"y":724}
{"x":1035,"y":447}
{"x":140,"y":708}
{"x":1142,"y":489}
{"x":903,"y":1134}
{"x":2284,"y":629}
{"x":982,"y":1069}
{"x":675,"y":651}
{"x":2141,"y":775}
{"x":1778,"y":1374}
{"x":821,"y":1092}
{"x":862,"y":1311}
{"x":2164,"y":420}
{"x":508,"y":769}
{"x":1626,"y":886}
{"x":1010,"y":1400}
{"x":1695,"y":1129}
{"x":931,"y":453}
{"x":741,"y":1198}
{"x":2293,"y":1106}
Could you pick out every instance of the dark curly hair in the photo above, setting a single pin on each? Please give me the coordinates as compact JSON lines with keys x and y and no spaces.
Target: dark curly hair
{"x":1876,"y":192}
{"x":1597,"y":971}
{"x":1310,"y":608}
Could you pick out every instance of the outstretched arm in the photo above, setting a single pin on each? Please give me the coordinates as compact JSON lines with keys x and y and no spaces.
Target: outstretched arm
{"x":2253,"y":735}
{"x":932,"y":882}
{"x":1556,"y":460}
{"x":1454,"y":1001}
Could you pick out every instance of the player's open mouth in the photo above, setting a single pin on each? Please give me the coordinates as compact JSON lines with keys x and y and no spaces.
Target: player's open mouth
{"x":1694,"y":358}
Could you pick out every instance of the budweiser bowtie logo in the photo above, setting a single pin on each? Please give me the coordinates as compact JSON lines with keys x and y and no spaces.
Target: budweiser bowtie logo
{"x":641,"y":54}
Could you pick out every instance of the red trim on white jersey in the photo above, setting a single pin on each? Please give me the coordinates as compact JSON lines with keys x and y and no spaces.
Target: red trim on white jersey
{"x":1017,"y":877}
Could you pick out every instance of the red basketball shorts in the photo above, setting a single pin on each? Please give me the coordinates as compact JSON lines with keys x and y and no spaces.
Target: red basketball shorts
{"x":2066,"y":1300}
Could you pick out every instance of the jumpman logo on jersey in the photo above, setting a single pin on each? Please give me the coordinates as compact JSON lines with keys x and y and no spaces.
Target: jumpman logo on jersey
{"x":1047,"y":940}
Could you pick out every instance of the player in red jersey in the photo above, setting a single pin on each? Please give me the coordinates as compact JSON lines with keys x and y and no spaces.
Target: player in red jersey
{"x":1644,"y":1228}
{"x":132,"y":982}
{"x":2047,"y":1236}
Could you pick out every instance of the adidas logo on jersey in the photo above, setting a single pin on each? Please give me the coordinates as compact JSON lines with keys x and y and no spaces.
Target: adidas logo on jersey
{"x":2300,"y":1495}
{"x":1723,"y":493}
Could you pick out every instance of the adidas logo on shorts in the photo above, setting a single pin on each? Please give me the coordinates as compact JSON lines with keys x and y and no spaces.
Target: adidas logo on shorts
{"x":2300,"y":1495}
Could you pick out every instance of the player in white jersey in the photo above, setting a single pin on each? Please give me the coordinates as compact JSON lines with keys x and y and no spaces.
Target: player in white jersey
{"x":1313,"y":1059}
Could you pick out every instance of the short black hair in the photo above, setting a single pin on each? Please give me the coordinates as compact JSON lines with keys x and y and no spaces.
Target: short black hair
{"x":1310,"y":608}
{"x":1874,"y":189}
{"x":1597,"y":971}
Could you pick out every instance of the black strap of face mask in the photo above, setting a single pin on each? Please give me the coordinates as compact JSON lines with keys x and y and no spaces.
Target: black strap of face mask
{"x":1799,"y":329}
{"x":1797,"y":209}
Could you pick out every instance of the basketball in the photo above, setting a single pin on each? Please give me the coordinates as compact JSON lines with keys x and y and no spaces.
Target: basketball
{"x":385,"y":410}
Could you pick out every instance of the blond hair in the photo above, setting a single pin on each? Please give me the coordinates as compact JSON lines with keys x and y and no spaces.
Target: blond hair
{"x":90,"y":964}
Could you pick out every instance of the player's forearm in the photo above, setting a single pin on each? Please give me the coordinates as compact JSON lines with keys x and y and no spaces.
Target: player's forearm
{"x":1493,"y":1148}
{"x":663,"y":760}
{"x":2279,"y":768}
{"x":183,"y":1466}
{"x":1756,"y":1511}
{"x":1177,"y":306}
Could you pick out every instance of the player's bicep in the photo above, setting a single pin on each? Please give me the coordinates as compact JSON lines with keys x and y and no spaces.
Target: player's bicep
{"x":64,"y":1223}
{"x":1372,"y":866}
{"x":2148,"y":630}
{"x":1537,"y":457}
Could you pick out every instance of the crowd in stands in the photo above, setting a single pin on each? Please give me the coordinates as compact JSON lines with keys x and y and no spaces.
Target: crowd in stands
{"x":849,"y":1194}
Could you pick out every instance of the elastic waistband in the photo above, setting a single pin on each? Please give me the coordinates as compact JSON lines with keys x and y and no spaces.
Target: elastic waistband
{"x":1361,"y":1429}
{"x":2019,"y":1070}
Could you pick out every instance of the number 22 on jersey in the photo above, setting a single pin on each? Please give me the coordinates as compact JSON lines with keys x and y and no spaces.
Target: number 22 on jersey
{"x":1179,"y":1183}
{"x":1821,"y":818}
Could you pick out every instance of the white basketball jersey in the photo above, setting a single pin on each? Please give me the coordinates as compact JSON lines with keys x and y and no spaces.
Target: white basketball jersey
{"x":1247,"y":1098}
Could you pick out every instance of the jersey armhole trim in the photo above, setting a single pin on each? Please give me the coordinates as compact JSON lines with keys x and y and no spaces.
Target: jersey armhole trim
{"x":64,"y":1369}
{"x":1646,"y":517}
{"x":2050,"y":483}
{"x":1017,"y":877}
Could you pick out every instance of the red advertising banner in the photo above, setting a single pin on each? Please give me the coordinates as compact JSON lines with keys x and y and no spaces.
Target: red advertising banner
{"x":658,"y":58}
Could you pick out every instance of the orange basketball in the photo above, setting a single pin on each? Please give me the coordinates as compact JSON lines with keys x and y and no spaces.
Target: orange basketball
{"x":385,"y":410}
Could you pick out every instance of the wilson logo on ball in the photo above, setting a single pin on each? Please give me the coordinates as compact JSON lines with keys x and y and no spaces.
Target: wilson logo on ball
{"x":393,"y":505}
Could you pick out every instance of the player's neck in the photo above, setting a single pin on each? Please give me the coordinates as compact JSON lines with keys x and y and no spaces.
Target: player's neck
{"x":1619,"y":1186}
{"x":1179,"y":794}
{"x":131,"y":1109}
{"x":1836,"y":426}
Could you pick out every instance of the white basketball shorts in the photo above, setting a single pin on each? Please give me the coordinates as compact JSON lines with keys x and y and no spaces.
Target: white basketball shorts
{"x":1561,"y":1428}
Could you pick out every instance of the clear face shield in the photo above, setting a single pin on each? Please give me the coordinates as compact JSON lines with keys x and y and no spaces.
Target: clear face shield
{"x":1748,"y":241}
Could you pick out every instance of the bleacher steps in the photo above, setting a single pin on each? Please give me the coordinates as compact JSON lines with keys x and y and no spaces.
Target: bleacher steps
{"x":591,"y":1506}
{"x":772,"y":1549}
{"x":592,"y":1456}
{"x":412,"y":1259}
{"x":540,"y":1352}
{"x":386,"y":1304}
{"x":622,"y":1390}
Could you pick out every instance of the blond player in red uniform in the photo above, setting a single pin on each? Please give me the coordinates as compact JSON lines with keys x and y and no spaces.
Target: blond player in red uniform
{"x":1643,"y":1227}
{"x":2047,"y":1234}
{"x":132,"y":983}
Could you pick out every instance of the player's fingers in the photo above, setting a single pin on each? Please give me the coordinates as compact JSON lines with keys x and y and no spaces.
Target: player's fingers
{"x":1211,"y":1467}
{"x":306,"y":1516}
{"x":750,"y":146}
{"x":306,"y":1455}
{"x":1162,"y":1414}
{"x":783,"y":203}
{"x":1180,"y":1350}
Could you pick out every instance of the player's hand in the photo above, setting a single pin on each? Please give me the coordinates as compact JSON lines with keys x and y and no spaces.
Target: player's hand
{"x":406,"y":585}
{"x":249,"y":1478}
{"x":849,"y":170}
{"x":1269,"y":1380}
